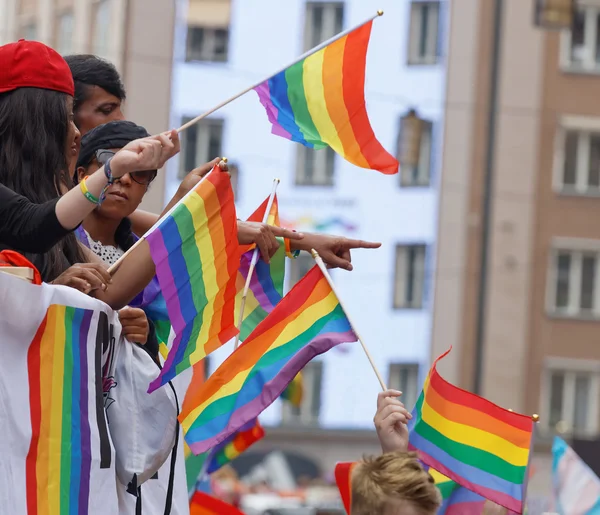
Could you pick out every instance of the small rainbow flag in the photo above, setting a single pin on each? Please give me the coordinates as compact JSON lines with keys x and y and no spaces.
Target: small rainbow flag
{"x":204,"y":504}
{"x":320,"y":102}
{"x":230,"y":448}
{"x":58,"y":463}
{"x":294,"y":391}
{"x":343,"y":479}
{"x":307,"y":322}
{"x":456,"y":500}
{"x":472,"y":441}
{"x":196,"y":252}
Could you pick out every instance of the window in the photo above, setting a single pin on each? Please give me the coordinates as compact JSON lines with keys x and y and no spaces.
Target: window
{"x":201,"y":143}
{"x":234,"y":172}
{"x":308,"y":413}
{"x":323,"y":21}
{"x":573,"y":283}
{"x":424,"y":33}
{"x":571,"y":399}
{"x":64,"y":33}
{"x":580,"y":49}
{"x":101,"y":29}
{"x":299,"y":267}
{"x":405,"y":378}
{"x":580,"y":166}
{"x":410,"y":276}
{"x":419,"y":174}
{"x":315,"y":167}
{"x":207,"y":44}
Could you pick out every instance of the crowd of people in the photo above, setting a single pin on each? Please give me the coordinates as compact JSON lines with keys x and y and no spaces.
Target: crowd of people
{"x":73,"y":172}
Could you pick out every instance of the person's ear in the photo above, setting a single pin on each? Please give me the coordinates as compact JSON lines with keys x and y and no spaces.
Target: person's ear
{"x":81,"y":173}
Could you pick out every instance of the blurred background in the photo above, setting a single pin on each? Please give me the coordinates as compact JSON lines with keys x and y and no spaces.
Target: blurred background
{"x":490,"y":232}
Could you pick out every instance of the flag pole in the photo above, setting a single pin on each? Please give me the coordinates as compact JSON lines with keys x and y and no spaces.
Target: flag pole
{"x":323,"y":268}
{"x":113,"y":268}
{"x":253,"y":264}
{"x":295,"y":61}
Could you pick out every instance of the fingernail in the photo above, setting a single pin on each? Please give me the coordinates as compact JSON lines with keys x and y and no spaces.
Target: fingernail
{"x":103,"y":286}
{"x":350,"y":268}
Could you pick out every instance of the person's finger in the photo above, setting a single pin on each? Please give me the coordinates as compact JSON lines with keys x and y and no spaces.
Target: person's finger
{"x":137,"y":338}
{"x":263,"y":246}
{"x":223,"y":165}
{"x":381,"y":396}
{"x":359,"y":244}
{"x":336,"y":262}
{"x":92,"y":277}
{"x":391,"y":401}
{"x":390,"y":410}
{"x":202,"y":170}
{"x":272,"y":242}
{"x":129,"y":313}
{"x":101,"y":270}
{"x":396,"y":418}
{"x":79,"y":284}
{"x":286,"y":233}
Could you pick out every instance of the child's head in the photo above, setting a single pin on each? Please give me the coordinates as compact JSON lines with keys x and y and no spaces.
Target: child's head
{"x":393,"y":484}
{"x":97,"y":146}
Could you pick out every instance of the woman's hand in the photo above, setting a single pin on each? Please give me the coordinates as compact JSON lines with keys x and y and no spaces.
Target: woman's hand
{"x":264,"y":236}
{"x":135,"y":325}
{"x":391,"y":422}
{"x":145,"y":154}
{"x":85,"y":277}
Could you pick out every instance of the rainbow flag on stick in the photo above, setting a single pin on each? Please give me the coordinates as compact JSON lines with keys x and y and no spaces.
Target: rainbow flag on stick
{"x":307,"y":322}
{"x":196,"y":252}
{"x":320,"y":102}
{"x":479,"y":445}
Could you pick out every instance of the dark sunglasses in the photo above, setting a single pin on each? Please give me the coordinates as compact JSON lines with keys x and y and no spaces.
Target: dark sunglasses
{"x":143,"y":178}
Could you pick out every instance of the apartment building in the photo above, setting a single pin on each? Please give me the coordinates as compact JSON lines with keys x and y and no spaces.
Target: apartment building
{"x":135,"y":35}
{"x":222,"y":47}
{"x":517,"y":293}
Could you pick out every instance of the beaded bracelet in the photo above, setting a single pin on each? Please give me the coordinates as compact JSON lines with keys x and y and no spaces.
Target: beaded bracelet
{"x":86,"y":193}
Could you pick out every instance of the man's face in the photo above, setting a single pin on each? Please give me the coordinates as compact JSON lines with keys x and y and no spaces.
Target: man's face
{"x":100,"y":107}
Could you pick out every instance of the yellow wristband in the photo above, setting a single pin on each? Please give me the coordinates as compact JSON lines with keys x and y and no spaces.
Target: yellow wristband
{"x":86,"y":192}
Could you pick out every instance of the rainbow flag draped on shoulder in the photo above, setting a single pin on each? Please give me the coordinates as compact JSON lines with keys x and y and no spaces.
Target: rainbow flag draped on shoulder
{"x":320,"y":102}
{"x":472,"y":441}
{"x":196,"y":252}
{"x":307,"y":322}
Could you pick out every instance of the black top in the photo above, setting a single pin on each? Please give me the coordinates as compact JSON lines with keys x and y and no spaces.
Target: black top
{"x":28,"y":227}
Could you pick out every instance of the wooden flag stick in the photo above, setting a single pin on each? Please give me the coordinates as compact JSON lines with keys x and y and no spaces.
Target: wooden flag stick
{"x":295,"y":61}
{"x":117,"y":263}
{"x":253,"y":265}
{"x":323,"y":268}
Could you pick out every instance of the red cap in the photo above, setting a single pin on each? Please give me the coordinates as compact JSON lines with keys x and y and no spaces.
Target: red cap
{"x":30,"y":64}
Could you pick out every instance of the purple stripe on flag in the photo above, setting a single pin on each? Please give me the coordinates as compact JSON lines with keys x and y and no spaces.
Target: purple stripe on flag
{"x":160,"y":256}
{"x":86,"y":448}
{"x":256,"y":287}
{"x":272,"y":389}
{"x":264,"y":96}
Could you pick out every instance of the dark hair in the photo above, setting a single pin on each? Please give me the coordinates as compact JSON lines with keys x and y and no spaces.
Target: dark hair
{"x":91,"y":70}
{"x":34,"y":125}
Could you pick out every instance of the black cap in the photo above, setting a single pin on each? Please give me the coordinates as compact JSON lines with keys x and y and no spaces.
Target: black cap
{"x":110,"y":135}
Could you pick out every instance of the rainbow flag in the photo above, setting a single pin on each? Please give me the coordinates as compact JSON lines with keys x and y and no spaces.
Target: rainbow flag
{"x":230,"y":448}
{"x":196,"y":252}
{"x":472,"y":441}
{"x":58,"y":463}
{"x":294,"y":391}
{"x":343,"y":479}
{"x":307,"y":322}
{"x":320,"y":102}
{"x":204,"y":504}
{"x":456,"y":500}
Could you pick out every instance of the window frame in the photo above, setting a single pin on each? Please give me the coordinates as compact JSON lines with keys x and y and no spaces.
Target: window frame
{"x":590,"y":66}
{"x":322,"y":159}
{"x":426,"y":146}
{"x":395,"y":369}
{"x":293,"y":273}
{"x":58,"y":34}
{"x":307,"y":415}
{"x":397,"y":306}
{"x":199,"y":131}
{"x":207,"y":52}
{"x":571,"y":368}
{"x":96,"y":6}
{"x":330,"y":12}
{"x":415,"y":36}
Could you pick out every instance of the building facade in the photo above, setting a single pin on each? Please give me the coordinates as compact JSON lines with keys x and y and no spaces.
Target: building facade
{"x":516,"y":291}
{"x":135,"y":35}
{"x":222,"y":47}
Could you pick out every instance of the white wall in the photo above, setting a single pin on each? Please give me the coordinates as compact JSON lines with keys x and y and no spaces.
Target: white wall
{"x":265,"y":34}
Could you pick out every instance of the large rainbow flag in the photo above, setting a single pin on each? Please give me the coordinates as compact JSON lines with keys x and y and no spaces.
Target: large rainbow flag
{"x":320,"y":102}
{"x":196,"y":252}
{"x":58,"y":464}
{"x":307,"y":322}
{"x":472,"y":441}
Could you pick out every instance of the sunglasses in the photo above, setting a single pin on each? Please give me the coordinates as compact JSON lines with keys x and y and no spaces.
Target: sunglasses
{"x":143,"y":178}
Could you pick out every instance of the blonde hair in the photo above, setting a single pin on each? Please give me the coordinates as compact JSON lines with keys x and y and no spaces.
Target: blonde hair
{"x":391,"y":480}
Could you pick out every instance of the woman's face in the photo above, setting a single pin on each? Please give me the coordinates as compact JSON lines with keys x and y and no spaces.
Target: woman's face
{"x":73,"y":139}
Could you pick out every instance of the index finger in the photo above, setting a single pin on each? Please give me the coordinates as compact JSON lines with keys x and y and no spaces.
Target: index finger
{"x":102,"y":271}
{"x":359,"y":244}
{"x":286,"y":233}
{"x":381,"y":396}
